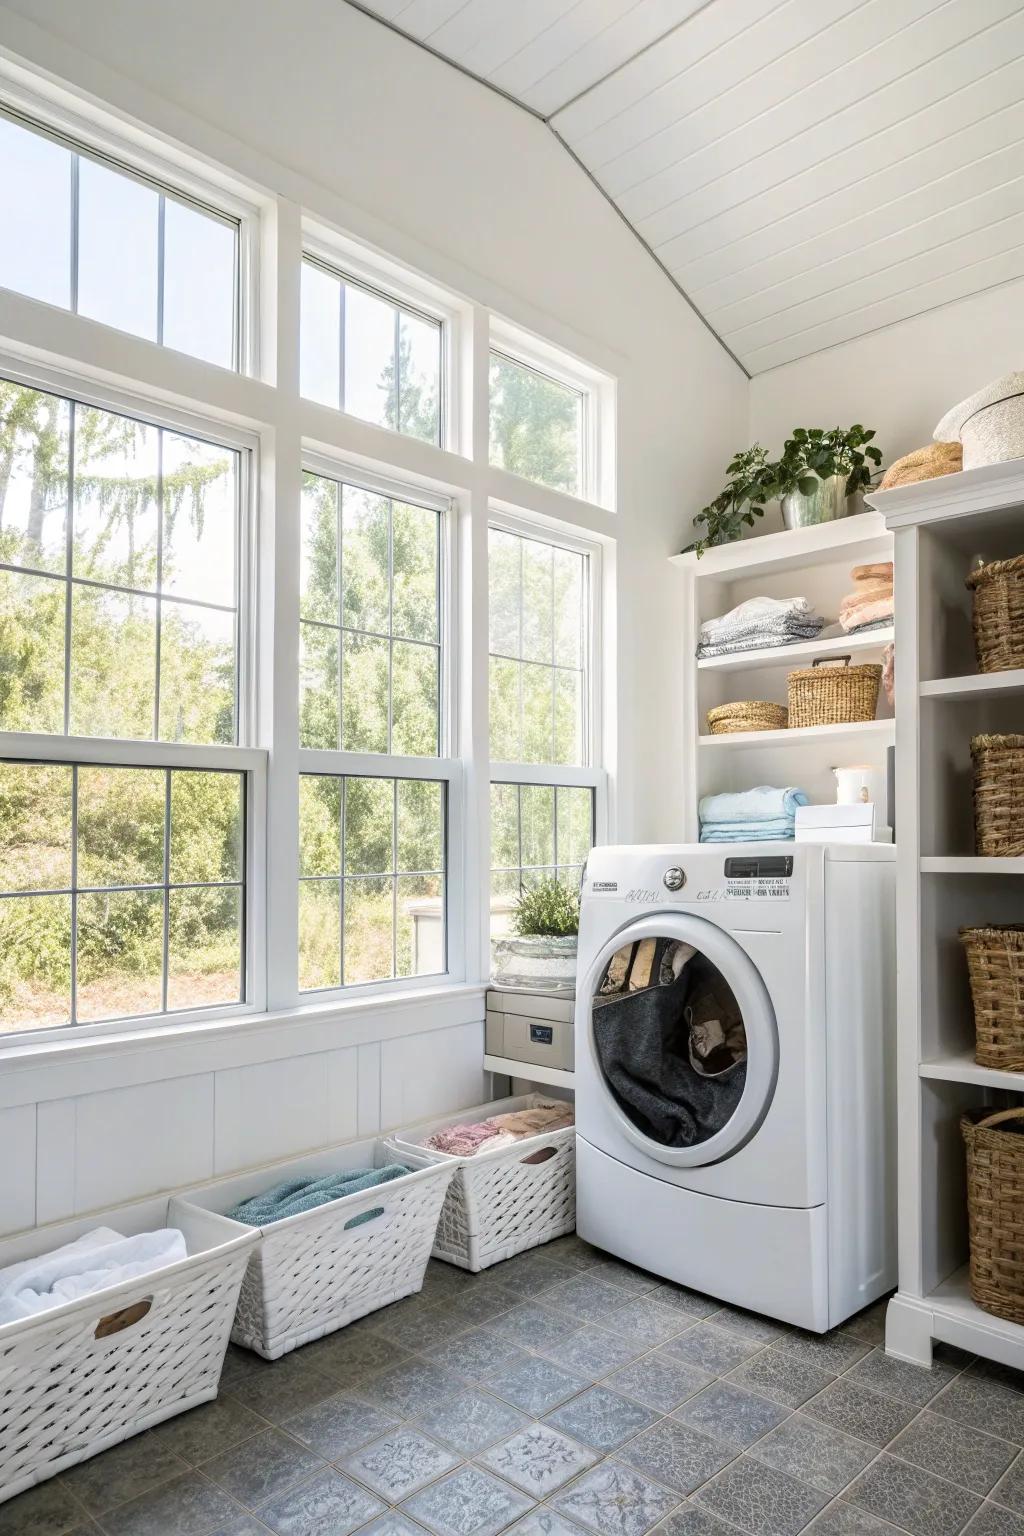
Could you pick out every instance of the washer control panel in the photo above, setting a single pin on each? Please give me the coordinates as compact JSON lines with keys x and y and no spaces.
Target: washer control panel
{"x":778,"y":868}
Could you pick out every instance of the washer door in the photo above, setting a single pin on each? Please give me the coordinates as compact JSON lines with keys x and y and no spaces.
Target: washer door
{"x":677,"y":1106}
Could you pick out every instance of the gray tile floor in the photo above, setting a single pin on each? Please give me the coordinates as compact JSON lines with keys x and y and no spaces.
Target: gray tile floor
{"x":565,"y":1394}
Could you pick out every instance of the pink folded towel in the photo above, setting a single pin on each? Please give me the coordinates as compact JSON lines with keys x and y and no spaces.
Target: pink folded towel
{"x":462,"y":1140}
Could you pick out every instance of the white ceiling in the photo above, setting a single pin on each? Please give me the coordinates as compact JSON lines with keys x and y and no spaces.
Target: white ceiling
{"x":807,"y":171}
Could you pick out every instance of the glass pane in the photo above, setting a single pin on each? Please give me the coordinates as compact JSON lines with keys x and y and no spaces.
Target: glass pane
{"x":200,"y":513}
{"x":318,"y":685}
{"x":319,"y":580}
{"x":115,"y":499}
{"x":33,"y":476}
{"x":504,"y":826}
{"x":538,"y":602}
{"x":536,"y":425}
{"x":118,"y":221}
{"x":575,"y":823}
{"x":537,"y":721}
{"x":197,"y":673}
{"x":415,"y":547}
{"x":419,"y":343}
{"x":504,"y":710}
{"x":31,"y":653}
{"x":199,"y":284}
{"x":35,"y":215}
{"x":568,"y":717}
{"x":319,"y":934}
{"x":568,"y":580}
{"x":538,"y":822}
{"x":369,"y":358}
{"x":113,"y":663}
{"x":320,"y":824}
{"x":120,"y":953}
{"x":369,"y":817}
{"x":35,"y":827}
{"x":420,"y":825}
{"x":320,"y":337}
{"x":204,"y":946}
{"x":364,"y":725}
{"x":571,"y":875}
{"x":207,"y":826}
{"x":504,"y":592}
{"x":368,"y":930}
{"x":419,"y":926}
{"x":504,"y":895}
{"x":35,"y":962}
{"x":414,"y":703}
{"x":121,"y":826}
{"x":364,"y":560}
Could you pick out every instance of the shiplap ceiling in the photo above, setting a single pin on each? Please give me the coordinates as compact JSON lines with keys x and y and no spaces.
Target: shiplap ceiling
{"x":808,"y":171}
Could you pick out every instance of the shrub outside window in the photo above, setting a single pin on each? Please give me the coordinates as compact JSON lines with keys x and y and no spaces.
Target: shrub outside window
{"x":85,"y":234}
{"x":121,"y":892}
{"x":362,"y":352}
{"x":538,"y":425}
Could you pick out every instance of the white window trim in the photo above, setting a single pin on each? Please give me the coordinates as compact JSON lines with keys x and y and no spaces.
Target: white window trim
{"x":599,"y":404}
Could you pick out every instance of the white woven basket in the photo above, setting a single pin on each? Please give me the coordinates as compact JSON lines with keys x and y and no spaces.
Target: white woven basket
{"x":315,"y":1272}
{"x":500,"y":1203}
{"x":84,"y":1376}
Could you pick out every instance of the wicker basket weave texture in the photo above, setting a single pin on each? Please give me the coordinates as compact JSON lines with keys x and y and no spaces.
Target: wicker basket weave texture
{"x":747,"y":715}
{"x":998,"y":763}
{"x":995,"y":1210}
{"x":833,"y":695}
{"x":998,"y":616}
{"x":995,"y":965}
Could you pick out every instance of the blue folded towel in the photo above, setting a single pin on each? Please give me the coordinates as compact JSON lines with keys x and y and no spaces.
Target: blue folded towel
{"x":747,"y":832}
{"x":763,"y":804}
{"x":297,"y":1195}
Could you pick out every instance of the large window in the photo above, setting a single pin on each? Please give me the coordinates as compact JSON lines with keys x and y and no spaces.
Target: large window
{"x":538,"y":650}
{"x":119,"y":575}
{"x":371,"y":621}
{"x":538,"y":832}
{"x":367,"y":354}
{"x":85,"y":234}
{"x":121,"y":891}
{"x":372,"y":878}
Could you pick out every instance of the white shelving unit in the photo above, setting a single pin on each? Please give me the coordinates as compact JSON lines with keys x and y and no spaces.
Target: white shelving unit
{"x":808,"y":562}
{"x":939,"y":527}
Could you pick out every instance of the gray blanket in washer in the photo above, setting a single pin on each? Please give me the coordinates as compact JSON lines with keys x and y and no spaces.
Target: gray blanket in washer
{"x":642,"y":1042}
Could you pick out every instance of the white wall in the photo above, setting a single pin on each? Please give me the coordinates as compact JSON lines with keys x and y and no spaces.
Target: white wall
{"x":323,"y":106}
{"x":900,"y":381}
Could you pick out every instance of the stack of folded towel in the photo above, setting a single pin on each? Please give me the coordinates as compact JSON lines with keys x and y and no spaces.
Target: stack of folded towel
{"x":758,"y":623}
{"x":869,"y":605}
{"x":500,"y":1130}
{"x":759,"y":815}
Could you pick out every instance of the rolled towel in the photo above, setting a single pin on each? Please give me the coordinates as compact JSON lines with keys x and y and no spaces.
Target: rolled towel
{"x":763,"y":804}
{"x":298,"y":1195}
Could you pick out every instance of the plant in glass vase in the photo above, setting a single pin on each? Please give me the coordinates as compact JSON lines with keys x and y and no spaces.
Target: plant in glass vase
{"x":540,"y":954}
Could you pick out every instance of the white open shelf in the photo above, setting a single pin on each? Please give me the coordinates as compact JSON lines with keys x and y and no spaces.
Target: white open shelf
{"x":859,"y":539}
{"x":800,"y":654}
{"x":942,"y":886}
{"x":552,"y":1077}
{"x":870,"y":731}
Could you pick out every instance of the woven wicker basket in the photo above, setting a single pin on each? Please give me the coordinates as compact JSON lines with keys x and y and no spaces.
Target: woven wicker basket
{"x":998,"y":591}
{"x":995,"y":1209}
{"x":998,"y":795}
{"x":995,"y":964}
{"x":747,"y":715}
{"x":833,"y":695}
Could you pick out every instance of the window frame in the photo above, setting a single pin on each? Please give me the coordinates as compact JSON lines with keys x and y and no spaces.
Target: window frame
{"x":114,"y":154}
{"x":446,"y":767}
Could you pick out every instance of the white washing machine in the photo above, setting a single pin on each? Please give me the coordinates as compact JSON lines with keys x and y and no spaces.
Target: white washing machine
{"x":786,"y":1207}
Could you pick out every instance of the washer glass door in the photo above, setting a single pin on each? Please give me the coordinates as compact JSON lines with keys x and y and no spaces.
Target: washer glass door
{"x":683,"y":1038}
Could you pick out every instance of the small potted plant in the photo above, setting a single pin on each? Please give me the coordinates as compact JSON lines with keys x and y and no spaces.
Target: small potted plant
{"x":540,"y":953}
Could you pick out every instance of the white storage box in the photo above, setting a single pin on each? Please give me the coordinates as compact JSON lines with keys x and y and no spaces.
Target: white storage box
{"x":83,"y":1376}
{"x":315,"y":1272}
{"x":502,"y":1202}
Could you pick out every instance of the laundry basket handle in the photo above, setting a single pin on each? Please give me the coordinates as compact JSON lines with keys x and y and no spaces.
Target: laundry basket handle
{"x":826,"y":661}
{"x":999,"y":1118}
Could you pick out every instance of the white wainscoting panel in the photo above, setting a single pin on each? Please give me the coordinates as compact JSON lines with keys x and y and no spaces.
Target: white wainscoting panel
{"x":368,"y":1101}
{"x":278,"y":1108}
{"x":18,"y":1161}
{"x":426,"y":1075}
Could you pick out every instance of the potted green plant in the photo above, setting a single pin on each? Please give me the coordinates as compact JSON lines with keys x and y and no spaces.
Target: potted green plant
{"x":540,"y":953}
{"x":820,"y":469}
{"x":751,"y":484}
